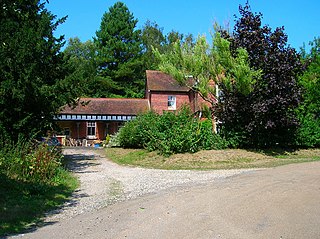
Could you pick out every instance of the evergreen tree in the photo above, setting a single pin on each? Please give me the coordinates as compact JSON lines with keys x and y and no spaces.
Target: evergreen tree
{"x":32,"y":69}
{"x":82,"y":61}
{"x":152,"y":38}
{"x":119,"y":49}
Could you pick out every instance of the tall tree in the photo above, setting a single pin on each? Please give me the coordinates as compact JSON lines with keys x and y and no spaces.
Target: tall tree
{"x":82,"y":59}
{"x":309,"y":110}
{"x":32,"y":69}
{"x":201,"y":67}
{"x":152,"y":37}
{"x":119,"y":49}
{"x":174,"y":36}
{"x":276,"y":94}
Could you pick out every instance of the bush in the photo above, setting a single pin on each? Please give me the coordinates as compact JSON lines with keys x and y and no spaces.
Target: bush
{"x":32,"y":182}
{"x":308,"y":134}
{"x":170,"y":133}
{"x":210,"y":140}
{"x":29,"y":162}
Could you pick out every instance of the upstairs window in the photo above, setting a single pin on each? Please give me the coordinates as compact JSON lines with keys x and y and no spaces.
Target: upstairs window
{"x":91,"y":130}
{"x":172,"y":102}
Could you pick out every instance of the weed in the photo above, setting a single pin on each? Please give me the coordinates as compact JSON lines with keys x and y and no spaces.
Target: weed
{"x":32,"y":182}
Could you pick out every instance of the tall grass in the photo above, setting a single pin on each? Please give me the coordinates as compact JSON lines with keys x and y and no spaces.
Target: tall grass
{"x":28,"y":162}
{"x":32,"y":182}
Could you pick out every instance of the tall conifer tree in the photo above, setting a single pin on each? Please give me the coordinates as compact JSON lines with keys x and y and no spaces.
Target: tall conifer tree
{"x":32,"y":69}
{"x":119,"y":49}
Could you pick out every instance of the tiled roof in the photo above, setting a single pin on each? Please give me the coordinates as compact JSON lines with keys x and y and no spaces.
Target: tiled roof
{"x":159,"y":81}
{"x":108,"y":106}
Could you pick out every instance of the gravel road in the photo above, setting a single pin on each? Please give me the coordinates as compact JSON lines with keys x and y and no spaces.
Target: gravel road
{"x":103,"y":182}
{"x":278,"y":203}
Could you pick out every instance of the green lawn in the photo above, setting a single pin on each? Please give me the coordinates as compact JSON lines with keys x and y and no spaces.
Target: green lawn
{"x":212,"y":159}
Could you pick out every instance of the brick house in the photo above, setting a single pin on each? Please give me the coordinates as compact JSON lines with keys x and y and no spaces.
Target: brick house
{"x":165,"y":94}
{"x":94,"y":118}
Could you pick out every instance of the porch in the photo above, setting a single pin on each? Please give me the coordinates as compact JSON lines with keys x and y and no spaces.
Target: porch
{"x":88,"y":130}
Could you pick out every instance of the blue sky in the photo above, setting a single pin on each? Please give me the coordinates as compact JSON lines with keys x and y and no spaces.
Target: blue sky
{"x":301,"y":19}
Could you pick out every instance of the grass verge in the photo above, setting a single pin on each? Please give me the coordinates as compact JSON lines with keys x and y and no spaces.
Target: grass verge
{"x":212,"y":159}
{"x":23,"y":205}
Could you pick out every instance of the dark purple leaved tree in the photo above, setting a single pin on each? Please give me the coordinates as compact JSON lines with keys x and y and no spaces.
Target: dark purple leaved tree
{"x":265,"y":117}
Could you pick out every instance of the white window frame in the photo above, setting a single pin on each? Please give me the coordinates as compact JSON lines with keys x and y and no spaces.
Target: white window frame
{"x":172,"y":102}
{"x":91,"y":130}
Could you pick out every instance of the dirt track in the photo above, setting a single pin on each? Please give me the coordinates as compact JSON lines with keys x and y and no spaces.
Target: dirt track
{"x":271,"y":203}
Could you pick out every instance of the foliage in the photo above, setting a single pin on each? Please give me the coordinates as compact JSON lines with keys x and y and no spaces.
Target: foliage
{"x":106,"y":142}
{"x":32,"y":69}
{"x":201,"y":67}
{"x":119,"y":53}
{"x":170,"y":133}
{"x":235,"y":72}
{"x":32,"y":182}
{"x":309,"y":110}
{"x":26,"y":162}
{"x":82,"y":60}
{"x":114,"y":64}
{"x":268,"y":118}
{"x":152,"y":37}
{"x":208,"y":139}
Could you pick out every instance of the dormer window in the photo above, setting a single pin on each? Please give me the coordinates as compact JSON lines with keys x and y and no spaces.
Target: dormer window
{"x":172,"y":102}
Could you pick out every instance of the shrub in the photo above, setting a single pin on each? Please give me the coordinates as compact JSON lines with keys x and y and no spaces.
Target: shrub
{"x":114,"y":140}
{"x":135,"y":133}
{"x":170,"y":133}
{"x":309,"y":111}
{"x":29,"y":162}
{"x":209,"y":139}
{"x":308,"y":134}
{"x":32,"y":182}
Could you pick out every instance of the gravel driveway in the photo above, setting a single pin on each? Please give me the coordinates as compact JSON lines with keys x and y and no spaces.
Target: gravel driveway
{"x":103,"y":182}
{"x":281,"y":202}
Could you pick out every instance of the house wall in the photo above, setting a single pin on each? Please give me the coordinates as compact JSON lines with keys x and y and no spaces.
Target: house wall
{"x":82,"y":130}
{"x":68,"y":124}
{"x":75,"y":131}
{"x":200,"y":103}
{"x":102,"y":129}
{"x":159,"y":100}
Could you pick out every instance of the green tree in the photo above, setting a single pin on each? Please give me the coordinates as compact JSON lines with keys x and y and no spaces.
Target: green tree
{"x":152,"y":37}
{"x":32,"y":69}
{"x":201,"y":67}
{"x":309,"y":110}
{"x":82,"y":60}
{"x":119,"y":50}
{"x":174,"y":36}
